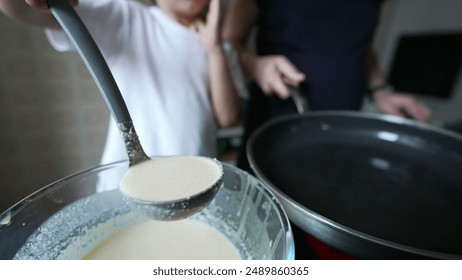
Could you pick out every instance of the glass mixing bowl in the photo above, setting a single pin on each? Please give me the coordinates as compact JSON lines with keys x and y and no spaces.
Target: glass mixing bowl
{"x":67,"y":219}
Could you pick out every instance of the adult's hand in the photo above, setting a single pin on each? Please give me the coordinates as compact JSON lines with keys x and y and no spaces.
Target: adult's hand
{"x":403,"y":105}
{"x":273,"y":72}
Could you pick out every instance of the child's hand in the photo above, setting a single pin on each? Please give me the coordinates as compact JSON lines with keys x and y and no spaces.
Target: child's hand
{"x":43,"y":4}
{"x":209,"y":31}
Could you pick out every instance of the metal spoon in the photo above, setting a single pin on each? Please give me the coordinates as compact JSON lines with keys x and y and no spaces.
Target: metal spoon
{"x":91,"y":55}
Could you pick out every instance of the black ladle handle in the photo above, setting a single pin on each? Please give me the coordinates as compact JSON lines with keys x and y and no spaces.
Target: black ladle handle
{"x":94,"y":60}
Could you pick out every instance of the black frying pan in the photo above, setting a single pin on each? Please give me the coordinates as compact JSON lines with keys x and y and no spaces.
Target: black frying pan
{"x":372,"y":186}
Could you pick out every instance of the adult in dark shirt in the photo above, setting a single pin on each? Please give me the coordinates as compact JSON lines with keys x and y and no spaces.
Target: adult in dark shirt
{"x":324,"y":47}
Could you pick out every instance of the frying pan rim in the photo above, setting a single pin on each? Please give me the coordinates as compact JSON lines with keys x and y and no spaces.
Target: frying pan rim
{"x":356,"y":114}
{"x":322,"y":219}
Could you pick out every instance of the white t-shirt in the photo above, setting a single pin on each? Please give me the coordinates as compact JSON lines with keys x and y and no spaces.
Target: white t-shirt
{"x":161,"y":69}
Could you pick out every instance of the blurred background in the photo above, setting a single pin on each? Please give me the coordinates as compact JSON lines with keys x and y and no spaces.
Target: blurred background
{"x":54,"y":118}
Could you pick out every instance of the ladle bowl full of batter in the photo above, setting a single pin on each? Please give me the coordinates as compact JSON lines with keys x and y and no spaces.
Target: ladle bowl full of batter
{"x":172,"y":187}
{"x":69,"y":220}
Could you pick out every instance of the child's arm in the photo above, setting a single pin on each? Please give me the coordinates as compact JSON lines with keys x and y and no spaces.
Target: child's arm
{"x":225,"y":100}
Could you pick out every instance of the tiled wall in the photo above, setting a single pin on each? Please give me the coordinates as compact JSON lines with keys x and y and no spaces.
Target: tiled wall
{"x":53,"y":117}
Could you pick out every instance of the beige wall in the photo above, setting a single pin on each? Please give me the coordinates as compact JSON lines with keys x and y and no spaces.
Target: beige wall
{"x":54,"y":119}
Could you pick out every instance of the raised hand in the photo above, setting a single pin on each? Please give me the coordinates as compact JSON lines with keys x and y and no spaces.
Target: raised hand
{"x":209,"y":30}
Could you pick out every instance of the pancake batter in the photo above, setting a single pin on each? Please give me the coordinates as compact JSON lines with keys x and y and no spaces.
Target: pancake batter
{"x":170,"y":178}
{"x":154,"y":240}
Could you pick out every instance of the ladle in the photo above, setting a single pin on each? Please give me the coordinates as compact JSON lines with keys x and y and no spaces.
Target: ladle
{"x":94,"y":60}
